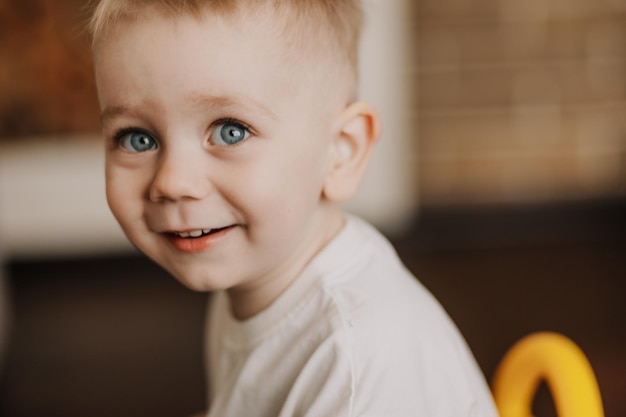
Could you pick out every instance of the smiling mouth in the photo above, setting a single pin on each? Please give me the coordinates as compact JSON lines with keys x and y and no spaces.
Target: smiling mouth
{"x":199,"y":240}
{"x":194,"y":234}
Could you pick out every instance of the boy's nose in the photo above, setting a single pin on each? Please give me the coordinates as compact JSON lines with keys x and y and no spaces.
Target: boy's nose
{"x":179,"y":178}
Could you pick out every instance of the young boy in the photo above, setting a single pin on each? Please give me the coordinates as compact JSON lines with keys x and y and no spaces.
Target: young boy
{"x":232,"y":133}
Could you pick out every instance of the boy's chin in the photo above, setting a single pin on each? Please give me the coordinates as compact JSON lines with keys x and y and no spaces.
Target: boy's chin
{"x":200,"y":284}
{"x":202,"y":281}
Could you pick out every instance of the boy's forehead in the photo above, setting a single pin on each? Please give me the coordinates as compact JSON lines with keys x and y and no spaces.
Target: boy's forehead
{"x":256,"y":31}
{"x":214,"y":61}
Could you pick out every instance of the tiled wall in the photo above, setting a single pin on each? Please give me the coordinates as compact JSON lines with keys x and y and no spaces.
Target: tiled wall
{"x":521,"y":100}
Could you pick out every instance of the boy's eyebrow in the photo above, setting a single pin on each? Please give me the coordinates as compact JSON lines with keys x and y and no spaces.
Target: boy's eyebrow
{"x":112,"y":111}
{"x":225,"y":102}
{"x":217,"y":102}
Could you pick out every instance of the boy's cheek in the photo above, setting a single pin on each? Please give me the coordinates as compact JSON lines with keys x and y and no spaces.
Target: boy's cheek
{"x":122,"y":195}
{"x":117,"y":207}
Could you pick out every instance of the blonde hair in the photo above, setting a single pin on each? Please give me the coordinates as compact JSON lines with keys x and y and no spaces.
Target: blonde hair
{"x":310,"y":25}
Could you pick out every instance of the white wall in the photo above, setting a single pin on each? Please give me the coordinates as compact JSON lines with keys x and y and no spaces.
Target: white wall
{"x":52,"y":198}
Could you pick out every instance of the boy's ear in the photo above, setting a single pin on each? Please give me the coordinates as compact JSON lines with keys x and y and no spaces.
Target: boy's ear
{"x":357,"y":131}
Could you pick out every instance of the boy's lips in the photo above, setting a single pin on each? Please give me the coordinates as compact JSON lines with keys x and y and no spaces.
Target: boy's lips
{"x":197,"y":240}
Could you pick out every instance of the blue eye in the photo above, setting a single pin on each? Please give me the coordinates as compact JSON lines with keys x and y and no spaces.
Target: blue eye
{"x":229,"y":133}
{"x":137,"y":141}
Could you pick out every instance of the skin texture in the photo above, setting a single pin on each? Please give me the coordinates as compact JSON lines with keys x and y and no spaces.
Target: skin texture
{"x":170,"y":92}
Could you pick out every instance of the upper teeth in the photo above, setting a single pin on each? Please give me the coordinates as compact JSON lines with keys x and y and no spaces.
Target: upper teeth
{"x":194,"y":233}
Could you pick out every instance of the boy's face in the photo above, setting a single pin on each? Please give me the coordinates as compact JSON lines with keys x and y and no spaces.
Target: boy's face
{"x":211,"y":129}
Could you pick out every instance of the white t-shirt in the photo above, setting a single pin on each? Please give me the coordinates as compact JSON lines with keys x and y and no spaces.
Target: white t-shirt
{"x":355,"y":335}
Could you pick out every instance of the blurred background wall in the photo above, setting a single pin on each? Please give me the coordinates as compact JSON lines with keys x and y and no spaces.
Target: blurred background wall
{"x":45,"y":69}
{"x":51,"y":162}
{"x":521,"y":101}
{"x":500,"y":178}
